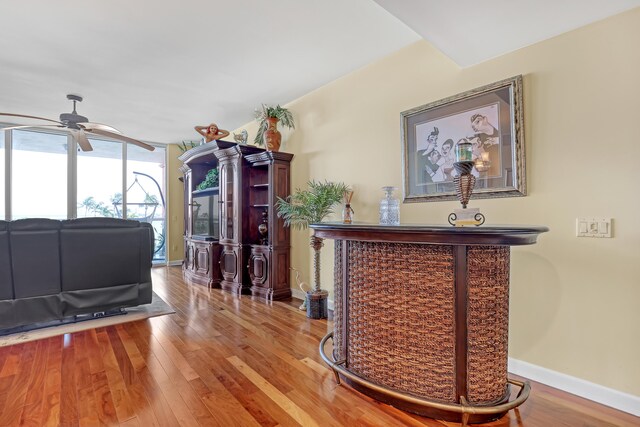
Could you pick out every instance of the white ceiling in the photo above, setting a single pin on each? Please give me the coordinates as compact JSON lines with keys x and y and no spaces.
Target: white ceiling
{"x":471,"y":31}
{"x":154,"y":69}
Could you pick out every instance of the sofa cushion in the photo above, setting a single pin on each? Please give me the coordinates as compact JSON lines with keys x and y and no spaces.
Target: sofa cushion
{"x":6,"y":283}
{"x":101,"y":257}
{"x":35,"y":257}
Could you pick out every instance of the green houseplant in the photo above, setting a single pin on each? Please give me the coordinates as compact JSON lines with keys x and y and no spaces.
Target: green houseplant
{"x":268,"y":118}
{"x":210,"y":180}
{"x":306,"y":207}
{"x":188,"y":145}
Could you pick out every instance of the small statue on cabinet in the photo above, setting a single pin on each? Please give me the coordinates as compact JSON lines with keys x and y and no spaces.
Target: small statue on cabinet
{"x":242,"y":137}
{"x":211,"y":132}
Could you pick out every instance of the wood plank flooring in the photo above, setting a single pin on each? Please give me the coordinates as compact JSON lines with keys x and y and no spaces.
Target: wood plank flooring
{"x":219,"y":361}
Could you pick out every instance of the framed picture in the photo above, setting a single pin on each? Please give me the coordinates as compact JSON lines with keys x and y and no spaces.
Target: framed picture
{"x":490,"y":118}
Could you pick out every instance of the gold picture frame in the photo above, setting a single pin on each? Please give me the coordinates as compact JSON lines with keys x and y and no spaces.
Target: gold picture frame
{"x":491,"y":118}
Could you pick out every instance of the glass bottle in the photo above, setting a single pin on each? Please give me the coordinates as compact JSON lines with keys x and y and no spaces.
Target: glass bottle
{"x":389,"y":208}
{"x":347,"y":214}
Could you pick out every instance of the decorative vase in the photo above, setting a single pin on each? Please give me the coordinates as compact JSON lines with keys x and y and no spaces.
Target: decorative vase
{"x":272,"y":136}
{"x":347,"y":214}
{"x":263,"y":229}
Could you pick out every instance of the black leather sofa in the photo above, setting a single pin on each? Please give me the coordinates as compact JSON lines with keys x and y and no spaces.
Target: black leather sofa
{"x":57,"y":270}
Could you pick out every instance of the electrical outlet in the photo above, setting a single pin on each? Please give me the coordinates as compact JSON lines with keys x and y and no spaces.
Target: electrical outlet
{"x":593,"y":227}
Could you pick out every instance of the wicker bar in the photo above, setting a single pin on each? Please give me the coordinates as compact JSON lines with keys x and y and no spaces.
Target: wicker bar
{"x":422,"y":325}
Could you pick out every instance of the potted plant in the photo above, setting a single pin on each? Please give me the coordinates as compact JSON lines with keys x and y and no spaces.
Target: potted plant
{"x":187,"y":145}
{"x":306,"y":207}
{"x":268,"y":133}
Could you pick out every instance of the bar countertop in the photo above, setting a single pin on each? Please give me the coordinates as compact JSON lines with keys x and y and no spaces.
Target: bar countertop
{"x":437,"y":234}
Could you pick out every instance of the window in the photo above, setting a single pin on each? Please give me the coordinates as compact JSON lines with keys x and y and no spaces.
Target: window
{"x":146,"y":191}
{"x":39,"y":175}
{"x":99,"y":188}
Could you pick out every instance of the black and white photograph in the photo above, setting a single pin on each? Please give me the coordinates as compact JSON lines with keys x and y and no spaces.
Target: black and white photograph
{"x":436,"y":141}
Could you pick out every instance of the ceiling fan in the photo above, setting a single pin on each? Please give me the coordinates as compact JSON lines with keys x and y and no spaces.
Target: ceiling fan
{"x":79,"y":126}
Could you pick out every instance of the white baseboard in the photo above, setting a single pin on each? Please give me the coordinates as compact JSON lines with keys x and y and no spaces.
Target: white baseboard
{"x":174,"y":262}
{"x":298,"y":293}
{"x":607,"y":396}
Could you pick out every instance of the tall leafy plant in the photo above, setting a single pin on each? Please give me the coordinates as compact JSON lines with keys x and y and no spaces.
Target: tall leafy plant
{"x":310,"y":206}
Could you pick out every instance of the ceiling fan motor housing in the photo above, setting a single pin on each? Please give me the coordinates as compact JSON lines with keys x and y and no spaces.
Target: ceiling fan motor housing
{"x":72,"y":120}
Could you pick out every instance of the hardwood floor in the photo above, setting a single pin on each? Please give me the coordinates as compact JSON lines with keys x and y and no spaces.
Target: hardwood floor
{"x":219,"y":361}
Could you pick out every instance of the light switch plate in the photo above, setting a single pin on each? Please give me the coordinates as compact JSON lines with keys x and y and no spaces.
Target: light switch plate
{"x":593,"y":227}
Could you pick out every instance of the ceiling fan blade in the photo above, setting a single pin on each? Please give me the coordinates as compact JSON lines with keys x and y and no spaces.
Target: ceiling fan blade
{"x":81,"y":139}
{"x":31,"y":117}
{"x":91,"y":126}
{"x":121,"y":138}
{"x":30,"y":126}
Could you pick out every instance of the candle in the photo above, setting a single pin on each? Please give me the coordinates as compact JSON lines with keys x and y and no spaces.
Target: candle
{"x":464,"y":151}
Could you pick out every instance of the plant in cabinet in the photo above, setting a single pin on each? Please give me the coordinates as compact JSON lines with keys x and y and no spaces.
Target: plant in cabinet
{"x":210,"y":180}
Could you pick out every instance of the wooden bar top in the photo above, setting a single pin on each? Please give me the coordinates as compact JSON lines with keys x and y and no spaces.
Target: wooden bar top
{"x":510,"y":235}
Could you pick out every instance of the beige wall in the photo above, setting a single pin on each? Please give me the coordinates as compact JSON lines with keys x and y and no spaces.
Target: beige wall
{"x":574,"y":301}
{"x":176,"y":200}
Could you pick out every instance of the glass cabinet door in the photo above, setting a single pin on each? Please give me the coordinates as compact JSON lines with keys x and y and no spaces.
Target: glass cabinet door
{"x":227,"y":181}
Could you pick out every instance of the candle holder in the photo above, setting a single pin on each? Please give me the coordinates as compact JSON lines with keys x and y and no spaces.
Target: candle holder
{"x":464,"y":182}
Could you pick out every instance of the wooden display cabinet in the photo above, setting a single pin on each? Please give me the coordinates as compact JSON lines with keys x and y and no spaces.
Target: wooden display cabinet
{"x":233,"y":237}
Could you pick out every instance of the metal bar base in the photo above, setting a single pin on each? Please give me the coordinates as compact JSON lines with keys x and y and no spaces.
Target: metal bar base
{"x":464,"y":412}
